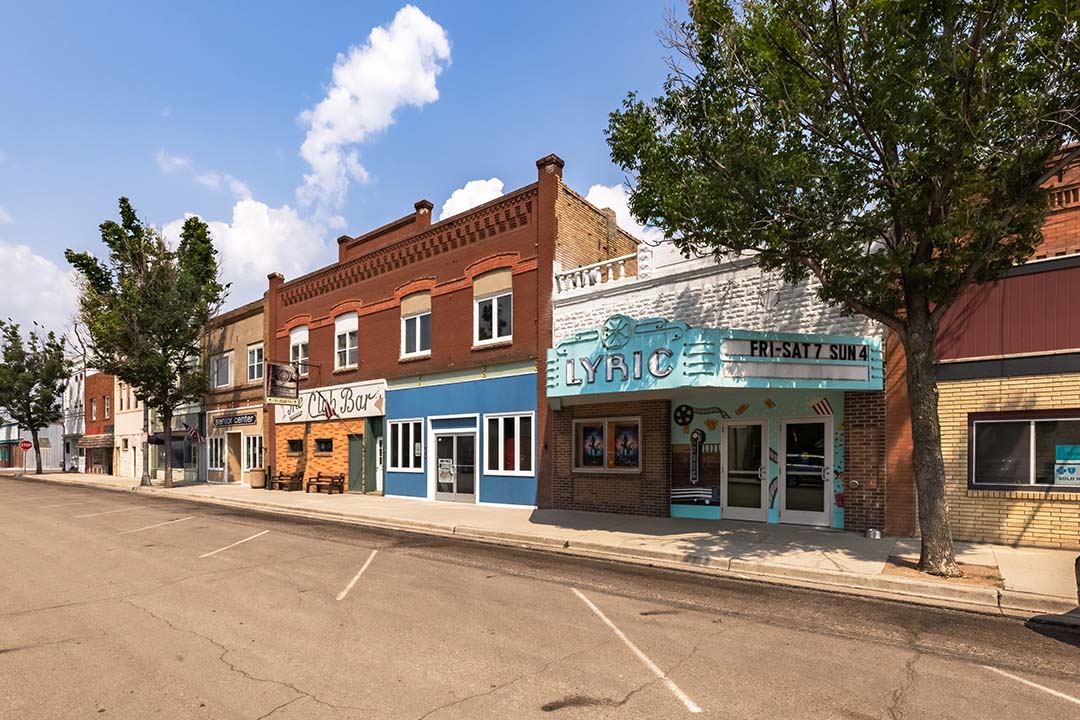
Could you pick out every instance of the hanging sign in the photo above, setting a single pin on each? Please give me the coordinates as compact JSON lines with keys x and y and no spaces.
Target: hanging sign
{"x":282,"y":384}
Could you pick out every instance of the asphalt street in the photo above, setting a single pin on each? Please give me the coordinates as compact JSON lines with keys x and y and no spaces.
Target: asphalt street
{"x":126,"y":606}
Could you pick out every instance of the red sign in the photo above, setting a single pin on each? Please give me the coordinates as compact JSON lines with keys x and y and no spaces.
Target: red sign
{"x":26,"y":445}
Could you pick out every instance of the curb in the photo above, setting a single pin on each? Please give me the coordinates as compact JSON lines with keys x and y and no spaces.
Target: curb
{"x":991,"y":601}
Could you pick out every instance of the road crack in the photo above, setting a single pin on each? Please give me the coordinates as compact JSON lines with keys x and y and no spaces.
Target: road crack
{"x":301,"y":693}
{"x":900,"y":694}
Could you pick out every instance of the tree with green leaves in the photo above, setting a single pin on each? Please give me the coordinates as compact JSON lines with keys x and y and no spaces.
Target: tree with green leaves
{"x":892,"y":151}
{"x":32,"y":378}
{"x":146,"y":310}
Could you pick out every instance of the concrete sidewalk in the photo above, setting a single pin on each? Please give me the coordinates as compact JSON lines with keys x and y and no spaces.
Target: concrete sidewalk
{"x":1037,"y":582}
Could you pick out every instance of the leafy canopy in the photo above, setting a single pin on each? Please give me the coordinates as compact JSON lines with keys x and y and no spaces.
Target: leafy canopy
{"x":893,"y":149}
{"x":32,"y":376}
{"x":147,"y":307}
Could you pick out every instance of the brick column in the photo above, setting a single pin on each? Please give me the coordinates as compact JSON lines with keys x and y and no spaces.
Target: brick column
{"x":271,"y":313}
{"x":864,"y":460}
{"x":549,"y":182}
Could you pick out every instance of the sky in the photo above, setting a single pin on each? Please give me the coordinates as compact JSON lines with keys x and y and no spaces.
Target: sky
{"x":286,"y":125}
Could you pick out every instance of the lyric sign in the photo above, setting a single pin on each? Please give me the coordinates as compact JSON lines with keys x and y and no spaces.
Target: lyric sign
{"x":337,"y":402}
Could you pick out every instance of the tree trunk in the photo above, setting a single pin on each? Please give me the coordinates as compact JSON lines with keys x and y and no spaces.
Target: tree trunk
{"x":937,"y":556}
{"x":37,"y":451}
{"x":167,"y":425}
{"x":145,"y":478}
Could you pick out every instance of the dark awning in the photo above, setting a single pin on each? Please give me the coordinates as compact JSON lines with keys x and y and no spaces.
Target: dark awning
{"x":96,"y":441}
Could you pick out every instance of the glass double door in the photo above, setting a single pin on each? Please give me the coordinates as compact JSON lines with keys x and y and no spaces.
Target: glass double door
{"x":742,"y":490}
{"x":455,"y":467}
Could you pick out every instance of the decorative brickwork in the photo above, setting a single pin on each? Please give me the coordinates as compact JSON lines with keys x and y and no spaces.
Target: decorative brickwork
{"x":645,"y":493}
{"x":864,"y":460}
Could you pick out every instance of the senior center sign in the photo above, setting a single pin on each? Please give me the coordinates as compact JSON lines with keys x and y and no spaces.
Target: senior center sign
{"x":336,"y":402}
{"x":628,"y":355}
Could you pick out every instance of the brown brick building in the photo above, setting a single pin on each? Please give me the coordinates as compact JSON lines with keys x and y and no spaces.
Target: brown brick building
{"x":419,"y":348}
{"x":97,"y":440}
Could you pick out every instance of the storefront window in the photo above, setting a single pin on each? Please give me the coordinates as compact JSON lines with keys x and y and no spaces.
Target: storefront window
{"x":509,"y":444}
{"x":1024,"y":451}
{"x":406,"y":445}
{"x":253,"y":452}
{"x":607,"y":445}
{"x":216,"y":454}
{"x":324,"y":445}
{"x":296,"y":446}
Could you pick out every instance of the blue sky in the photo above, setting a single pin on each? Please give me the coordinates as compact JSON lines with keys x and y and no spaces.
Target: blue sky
{"x":205,"y":108}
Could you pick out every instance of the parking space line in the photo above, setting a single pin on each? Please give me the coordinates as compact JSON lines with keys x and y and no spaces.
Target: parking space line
{"x":675,"y":689}
{"x":343,"y":593}
{"x":108,"y":512}
{"x":56,"y":505}
{"x":157,"y":525}
{"x":1037,"y":686}
{"x":238,"y":542}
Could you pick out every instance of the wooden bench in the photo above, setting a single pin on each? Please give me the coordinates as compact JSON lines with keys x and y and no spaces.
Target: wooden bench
{"x":329,"y":482}
{"x":287,"y":482}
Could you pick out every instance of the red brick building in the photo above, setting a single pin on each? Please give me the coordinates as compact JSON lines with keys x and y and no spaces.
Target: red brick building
{"x":418,"y":349}
{"x":97,"y":440}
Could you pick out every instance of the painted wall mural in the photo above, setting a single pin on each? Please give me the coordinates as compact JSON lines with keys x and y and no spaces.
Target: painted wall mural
{"x":763,"y":428}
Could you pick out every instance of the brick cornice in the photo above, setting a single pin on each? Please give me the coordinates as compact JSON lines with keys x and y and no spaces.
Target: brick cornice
{"x":414,"y":286}
{"x":494,"y":262}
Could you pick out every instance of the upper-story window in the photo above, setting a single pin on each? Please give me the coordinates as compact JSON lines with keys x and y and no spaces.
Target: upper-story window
{"x":493,"y":300}
{"x":416,"y":325}
{"x":255,"y":362}
{"x":346,"y":341}
{"x":93,"y":408}
{"x":221,"y":370}
{"x":108,"y":405}
{"x":298,"y":349}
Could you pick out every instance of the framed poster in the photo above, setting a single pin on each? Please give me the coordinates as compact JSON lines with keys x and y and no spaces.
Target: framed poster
{"x":624,"y":447}
{"x":590,"y":445}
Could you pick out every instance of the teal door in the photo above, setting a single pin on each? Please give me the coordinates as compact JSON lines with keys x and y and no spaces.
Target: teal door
{"x":356,"y":463}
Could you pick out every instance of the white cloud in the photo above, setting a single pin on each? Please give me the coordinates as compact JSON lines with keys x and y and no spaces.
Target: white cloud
{"x":224,"y":181}
{"x":5,"y":217}
{"x":616,"y":198}
{"x":170,"y":163}
{"x":397,"y":66}
{"x":36,"y":289}
{"x":258,"y":241}
{"x":475,"y":192}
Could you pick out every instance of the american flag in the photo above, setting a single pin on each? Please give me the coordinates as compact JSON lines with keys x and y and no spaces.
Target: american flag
{"x":193,"y":433}
{"x":823,"y":407}
{"x":328,"y":409}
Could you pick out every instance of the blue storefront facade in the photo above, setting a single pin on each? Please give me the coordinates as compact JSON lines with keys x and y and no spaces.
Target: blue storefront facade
{"x":467,"y":437}
{"x":711,"y":423}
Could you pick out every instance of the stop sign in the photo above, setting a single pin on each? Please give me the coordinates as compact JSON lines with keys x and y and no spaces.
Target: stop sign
{"x":25,"y":445}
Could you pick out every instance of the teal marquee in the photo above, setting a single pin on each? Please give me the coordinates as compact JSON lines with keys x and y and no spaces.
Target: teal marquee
{"x":628,"y":355}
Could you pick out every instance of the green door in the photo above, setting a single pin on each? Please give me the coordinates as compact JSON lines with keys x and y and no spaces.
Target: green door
{"x":356,"y":463}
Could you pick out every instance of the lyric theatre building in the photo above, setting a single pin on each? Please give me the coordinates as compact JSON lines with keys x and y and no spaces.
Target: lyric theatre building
{"x":700,"y":390}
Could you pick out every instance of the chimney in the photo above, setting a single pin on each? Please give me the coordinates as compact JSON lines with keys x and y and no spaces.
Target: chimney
{"x":550,"y":164}
{"x":423,"y":213}
{"x":612,"y":229}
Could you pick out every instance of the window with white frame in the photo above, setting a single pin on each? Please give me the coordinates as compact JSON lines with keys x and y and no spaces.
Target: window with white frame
{"x":298,"y":349}
{"x":215,"y":453}
{"x":93,"y":408}
{"x":253,"y":452}
{"x":255,"y":362}
{"x":607,"y":445}
{"x":108,"y":405}
{"x":346,"y":341}
{"x":494,"y":319}
{"x":416,"y":335}
{"x":508,"y":443}
{"x":406,"y":451}
{"x":1013,"y":450}
{"x":221,"y":370}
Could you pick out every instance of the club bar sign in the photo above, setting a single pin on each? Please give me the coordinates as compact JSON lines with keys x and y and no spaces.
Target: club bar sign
{"x":231,"y":420}
{"x":627,"y":355}
{"x":336,"y":402}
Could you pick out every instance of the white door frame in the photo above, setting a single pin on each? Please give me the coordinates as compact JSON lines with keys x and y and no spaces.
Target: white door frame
{"x":803,"y":517}
{"x":758,"y":514}
{"x":432,"y":449}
